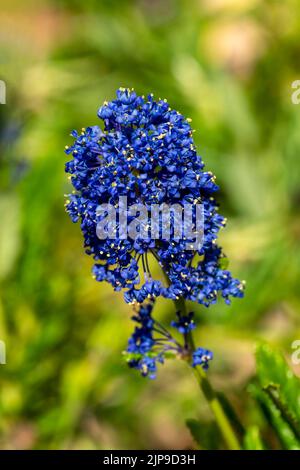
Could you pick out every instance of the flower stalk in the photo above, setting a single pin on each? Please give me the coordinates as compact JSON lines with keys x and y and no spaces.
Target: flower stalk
{"x":209,"y":393}
{"x":217,"y":409}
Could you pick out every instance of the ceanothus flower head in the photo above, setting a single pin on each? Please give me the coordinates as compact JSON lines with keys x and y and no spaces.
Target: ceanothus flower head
{"x":145,"y":151}
{"x":151,"y":343}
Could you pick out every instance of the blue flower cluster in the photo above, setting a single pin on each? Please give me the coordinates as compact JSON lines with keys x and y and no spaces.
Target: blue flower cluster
{"x":201,"y":357}
{"x":145,"y":151}
{"x":141,"y":354}
{"x":151,"y":342}
{"x":185,"y":323}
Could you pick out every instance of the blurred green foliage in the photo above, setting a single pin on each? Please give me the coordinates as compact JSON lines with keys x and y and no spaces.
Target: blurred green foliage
{"x":228,"y":65}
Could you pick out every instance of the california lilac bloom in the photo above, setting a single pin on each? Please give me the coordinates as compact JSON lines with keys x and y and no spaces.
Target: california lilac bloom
{"x":142,"y":351}
{"x":185,"y":323}
{"x":146,"y":152}
{"x":151,"y":342}
{"x":201,"y":357}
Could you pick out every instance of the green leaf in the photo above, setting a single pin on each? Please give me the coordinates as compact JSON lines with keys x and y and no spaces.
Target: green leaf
{"x":231,"y":414}
{"x":272,"y":369}
{"x":205,"y":434}
{"x":278,"y":392}
{"x":273,"y":417}
{"x":252,"y":439}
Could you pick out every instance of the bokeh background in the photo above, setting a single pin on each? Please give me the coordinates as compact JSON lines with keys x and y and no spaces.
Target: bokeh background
{"x":229,"y":66}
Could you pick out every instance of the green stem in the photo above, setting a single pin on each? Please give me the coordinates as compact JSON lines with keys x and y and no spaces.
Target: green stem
{"x":181,"y":307}
{"x":207,"y":390}
{"x":217,"y":409}
{"x":209,"y":393}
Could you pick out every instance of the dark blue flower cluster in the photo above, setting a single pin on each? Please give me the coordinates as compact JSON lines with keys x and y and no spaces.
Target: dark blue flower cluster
{"x":146,"y":152}
{"x":185,"y":323}
{"x":142,"y":351}
{"x":151,"y":342}
{"x":201,"y":357}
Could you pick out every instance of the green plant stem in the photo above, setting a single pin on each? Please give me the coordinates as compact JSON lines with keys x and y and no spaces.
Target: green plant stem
{"x":209,"y":393}
{"x":217,"y":409}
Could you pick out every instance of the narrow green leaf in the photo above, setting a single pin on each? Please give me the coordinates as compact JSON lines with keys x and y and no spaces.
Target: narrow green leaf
{"x":252,"y":439}
{"x":273,"y":369}
{"x":205,"y":434}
